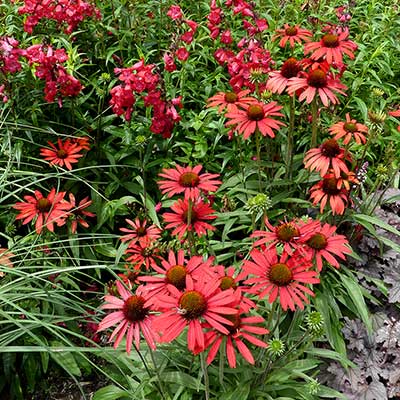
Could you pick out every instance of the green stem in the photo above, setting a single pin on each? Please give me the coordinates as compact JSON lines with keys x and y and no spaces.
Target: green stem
{"x":314,"y":123}
{"x":148,"y":372}
{"x":156,"y":369}
{"x":258,"y":151}
{"x":290,"y":134}
{"x":205,"y":375}
{"x":192,"y":247}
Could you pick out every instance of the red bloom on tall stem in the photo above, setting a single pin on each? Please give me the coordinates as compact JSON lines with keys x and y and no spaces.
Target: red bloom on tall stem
{"x":179,"y":220}
{"x":201,"y":301}
{"x":66,"y":154}
{"x":328,"y":190}
{"x":347,"y":130}
{"x":48,"y":211}
{"x":230,"y":101}
{"x":141,"y":233}
{"x":317,"y":82}
{"x":327,"y":156}
{"x":78,"y":212}
{"x":292,"y":34}
{"x":187,"y":180}
{"x":243,"y":328}
{"x":286,"y":233}
{"x":174,"y":271}
{"x":256,"y":116}
{"x":278,"y":80}
{"x":143,"y":255}
{"x":322,"y":242}
{"x":133,"y":317}
{"x":283,"y":277}
{"x":332,"y":47}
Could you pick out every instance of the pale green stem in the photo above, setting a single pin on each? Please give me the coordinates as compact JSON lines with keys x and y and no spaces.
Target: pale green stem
{"x":205,"y":375}
{"x":289,"y":147}
{"x":314,"y":123}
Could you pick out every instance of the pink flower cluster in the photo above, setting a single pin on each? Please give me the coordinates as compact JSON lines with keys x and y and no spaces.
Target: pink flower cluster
{"x":64,"y":12}
{"x":138,"y":79}
{"x":9,"y":55}
{"x":47,"y":62}
{"x":251,"y":57}
{"x":178,"y":49}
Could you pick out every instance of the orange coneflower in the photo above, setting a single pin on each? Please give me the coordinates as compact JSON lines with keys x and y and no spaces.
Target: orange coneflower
{"x":140,"y":233}
{"x":317,"y":82}
{"x":278,"y":80}
{"x":326,"y":191}
{"x":187,"y":180}
{"x":230,"y":101}
{"x":281,"y":276}
{"x":48,"y":211}
{"x":292,"y":34}
{"x":256,"y":116}
{"x":133,"y":316}
{"x":348,"y":129}
{"x":332,"y":47}
{"x":66,"y":154}
{"x":321,"y":241}
{"x":201,"y":301}
{"x":327,"y":156}
{"x":200,"y":212}
{"x":77,"y":212}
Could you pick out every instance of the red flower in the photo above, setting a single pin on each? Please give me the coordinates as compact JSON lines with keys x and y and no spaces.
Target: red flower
{"x":348,"y":129}
{"x":281,"y":277}
{"x":174,"y":271}
{"x":292,"y":34}
{"x":202,"y":300}
{"x":77,"y":212}
{"x":317,"y":82}
{"x":140,"y":233}
{"x":47,"y":210}
{"x":256,"y":116}
{"x":175,"y":12}
{"x":243,"y":328}
{"x":278,"y":80}
{"x":327,"y":156}
{"x":132,"y":316}
{"x":286,"y":234}
{"x":187,"y":180}
{"x":328,"y":189}
{"x":146,"y":255}
{"x":66,"y":154}
{"x":182,"y":222}
{"x":322,"y":242}
{"x":331,"y":47}
{"x":182,"y":54}
{"x":231,"y":101}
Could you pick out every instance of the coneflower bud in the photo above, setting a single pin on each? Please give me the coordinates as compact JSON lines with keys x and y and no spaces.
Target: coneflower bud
{"x":276,"y":347}
{"x":260,"y":202}
{"x":315,"y":323}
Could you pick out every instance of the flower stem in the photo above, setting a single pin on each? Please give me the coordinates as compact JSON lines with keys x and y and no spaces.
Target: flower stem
{"x":205,"y":374}
{"x":289,"y":147}
{"x":149,"y":373}
{"x":153,"y":359}
{"x":258,"y":151}
{"x":314,"y":122}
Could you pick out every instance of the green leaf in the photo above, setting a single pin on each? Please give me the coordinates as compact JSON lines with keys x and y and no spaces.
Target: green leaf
{"x":183,"y":379}
{"x":375,"y":221}
{"x":241,"y":392}
{"x":324,"y":391}
{"x":110,"y":392}
{"x":65,"y":360}
{"x":332,"y":355}
{"x":356,"y":296}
